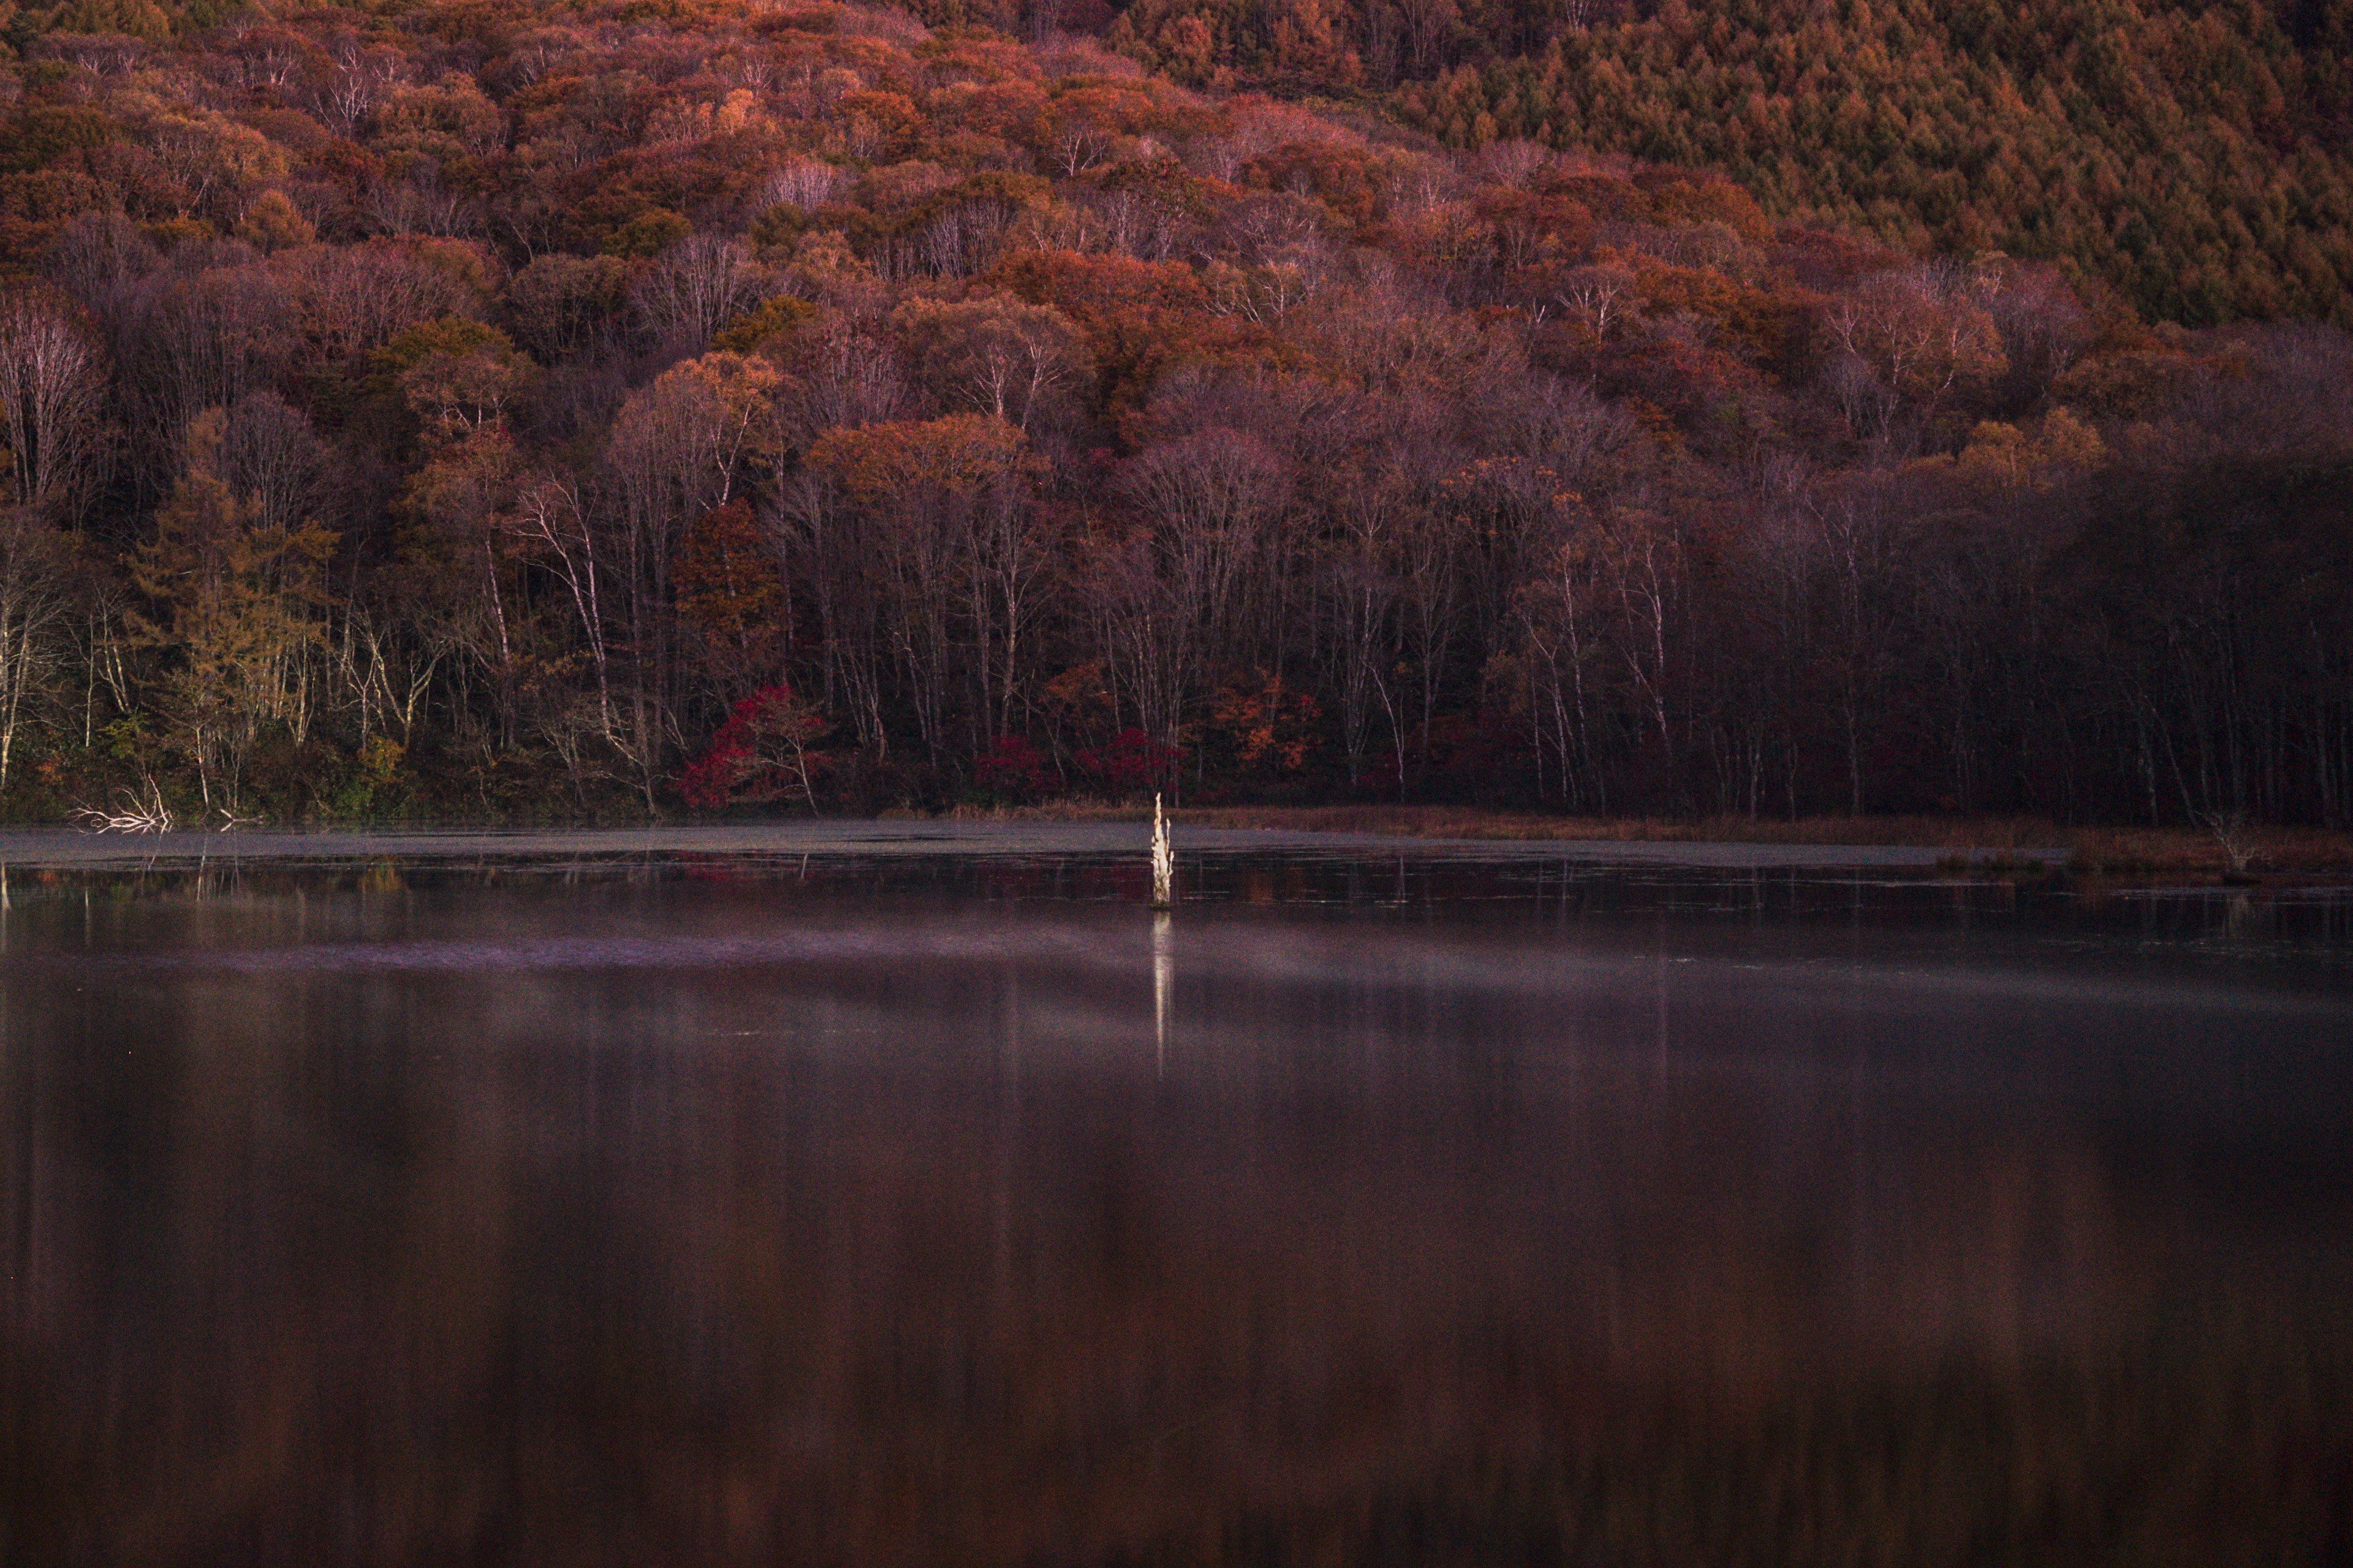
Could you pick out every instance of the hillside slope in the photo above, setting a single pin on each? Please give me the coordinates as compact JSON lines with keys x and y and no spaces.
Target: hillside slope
{"x":466,"y":409}
{"x":2193,"y":158}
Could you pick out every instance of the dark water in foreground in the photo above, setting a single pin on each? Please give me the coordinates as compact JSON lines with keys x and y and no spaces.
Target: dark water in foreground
{"x":959,"y":1212}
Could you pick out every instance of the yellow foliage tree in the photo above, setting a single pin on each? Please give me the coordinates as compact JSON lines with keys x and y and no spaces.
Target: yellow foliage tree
{"x":239,"y":605}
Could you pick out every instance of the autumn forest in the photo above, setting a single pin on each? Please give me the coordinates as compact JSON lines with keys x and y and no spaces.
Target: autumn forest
{"x":555,"y":408}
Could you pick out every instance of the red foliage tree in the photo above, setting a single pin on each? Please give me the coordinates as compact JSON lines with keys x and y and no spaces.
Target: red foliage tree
{"x":762,"y":753}
{"x":1132,"y":760}
{"x":1014,"y":772}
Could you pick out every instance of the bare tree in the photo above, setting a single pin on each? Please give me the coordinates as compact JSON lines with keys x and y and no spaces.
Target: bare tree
{"x":695,"y":288}
{"x":549,"y":516}
{"x":348,"y":300}
{"x":1371,"y":515}
{"x":270,"y":455}
{"x":799,"y":184}
{"x":1912,"y":338}
{"x":100,"y":258}
{"x":203,"y":342}
{"x":35,"y":596}
{"x":949,"y":556}
{"x":839,"y":375}
{"x":1212,"y":500}
{"x":51,"y":388}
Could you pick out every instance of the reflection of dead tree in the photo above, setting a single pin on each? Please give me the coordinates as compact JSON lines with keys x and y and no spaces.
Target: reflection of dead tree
{"x":135,"y":811}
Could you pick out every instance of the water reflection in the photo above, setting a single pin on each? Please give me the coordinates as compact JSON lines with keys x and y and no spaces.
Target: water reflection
{"x":1163,"y":975}
{"x":727,"y":1213}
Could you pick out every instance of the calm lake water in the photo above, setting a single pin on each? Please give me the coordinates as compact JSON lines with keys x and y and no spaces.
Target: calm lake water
{"x":959,"y":1210}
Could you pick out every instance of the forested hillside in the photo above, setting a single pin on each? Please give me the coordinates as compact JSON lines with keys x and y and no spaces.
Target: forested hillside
{"x":2193,"y":158}
{"x":488,"y":408}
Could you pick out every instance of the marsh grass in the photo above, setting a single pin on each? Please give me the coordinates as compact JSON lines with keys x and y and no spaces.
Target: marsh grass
{"x":2195,"y":852}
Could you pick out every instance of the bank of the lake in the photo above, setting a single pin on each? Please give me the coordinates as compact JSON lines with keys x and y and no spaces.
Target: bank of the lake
{"x":1964,"y":845}
{"x":1108,"y":834}
{"x":1997,"y":844}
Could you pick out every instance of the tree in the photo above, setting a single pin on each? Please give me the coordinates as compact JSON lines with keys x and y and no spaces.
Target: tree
{"x":949,"y":550}
{"x":454,"y":561}
{"x":38,"y":562}
{"x":695,"y":288}
{"x":51,"y":392}
{"x":995,"y":355}
{"x":678,"y":448}
{"x":1211,"y":502}
{"x":761,"y":754}
{"x":1913,"y":337}
{"x":732,"y":596}
{"x":456,"y":377}
{"x":237,"y":606}
{"x":203,"y":341}
{"x":550,"y":525}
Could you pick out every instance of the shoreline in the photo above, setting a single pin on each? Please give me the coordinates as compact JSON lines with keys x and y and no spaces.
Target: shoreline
{"x":1967,"y":846}
{"x":1221,"y":831}
{"x":1967,"y":843}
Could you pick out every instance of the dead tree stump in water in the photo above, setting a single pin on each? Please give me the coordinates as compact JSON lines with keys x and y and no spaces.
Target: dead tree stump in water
{"x":1164,"y":864}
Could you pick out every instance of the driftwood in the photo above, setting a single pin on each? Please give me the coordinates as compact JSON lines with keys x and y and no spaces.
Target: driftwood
{"x":134,"y":812}
{"x":2240,"y":848}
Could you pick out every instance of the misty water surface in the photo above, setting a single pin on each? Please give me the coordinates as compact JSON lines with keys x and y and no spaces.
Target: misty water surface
{"x":726,"y":1209}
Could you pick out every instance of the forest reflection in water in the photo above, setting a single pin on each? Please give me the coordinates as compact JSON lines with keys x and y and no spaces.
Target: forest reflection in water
{"x":967,"y":1213}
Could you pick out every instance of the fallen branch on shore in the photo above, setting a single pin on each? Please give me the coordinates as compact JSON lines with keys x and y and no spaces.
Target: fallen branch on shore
{"x":134,"y":812}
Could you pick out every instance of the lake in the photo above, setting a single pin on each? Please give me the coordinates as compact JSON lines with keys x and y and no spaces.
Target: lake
{"x":386,"y":1202}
